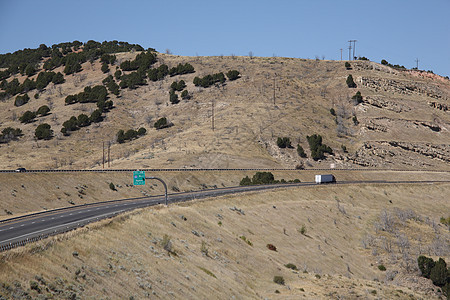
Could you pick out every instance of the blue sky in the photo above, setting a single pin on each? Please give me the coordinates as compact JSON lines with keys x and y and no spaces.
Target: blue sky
{"x":396,"y":30}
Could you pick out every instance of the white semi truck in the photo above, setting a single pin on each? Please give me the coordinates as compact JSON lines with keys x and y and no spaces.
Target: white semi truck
{"x":329,"y":178}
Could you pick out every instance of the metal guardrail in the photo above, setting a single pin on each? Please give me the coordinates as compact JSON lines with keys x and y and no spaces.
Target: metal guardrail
{"x":219,"y":169}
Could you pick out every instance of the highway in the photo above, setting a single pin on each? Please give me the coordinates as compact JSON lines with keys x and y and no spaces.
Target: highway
{"x":21,"y":230}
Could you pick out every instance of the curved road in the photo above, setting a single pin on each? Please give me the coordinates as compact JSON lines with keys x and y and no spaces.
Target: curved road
{"x":24,"y":229}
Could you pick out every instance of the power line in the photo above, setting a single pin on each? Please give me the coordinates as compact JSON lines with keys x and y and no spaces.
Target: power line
{"x":341,"y":54}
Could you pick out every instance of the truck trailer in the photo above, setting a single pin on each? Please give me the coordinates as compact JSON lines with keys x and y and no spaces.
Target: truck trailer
{"x":329,"y":178}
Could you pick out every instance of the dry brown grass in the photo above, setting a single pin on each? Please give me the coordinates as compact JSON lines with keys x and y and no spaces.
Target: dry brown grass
{"x":246,"y":121}
{"x":124,"y":257}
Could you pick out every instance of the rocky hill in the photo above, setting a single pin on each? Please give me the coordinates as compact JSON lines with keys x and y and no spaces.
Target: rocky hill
{"x":401,"y":119}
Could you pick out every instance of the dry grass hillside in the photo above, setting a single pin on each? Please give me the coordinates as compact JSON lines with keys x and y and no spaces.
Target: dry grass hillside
{"x":403,"y":121}
{"x":331,"y":236}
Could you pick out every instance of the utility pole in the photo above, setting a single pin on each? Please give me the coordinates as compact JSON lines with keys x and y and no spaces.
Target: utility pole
{"x":212,"y":114}
{"x":341,"y":54}
{"x":109,"y":156}
{"x":103,"y":155}
{"x":274,"y":84}
{"x":350,"y":48}
{"x":417,"y":63}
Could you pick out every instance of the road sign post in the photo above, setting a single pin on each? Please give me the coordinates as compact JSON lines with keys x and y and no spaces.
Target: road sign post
{"x":139,"y":179}
{"x":165,"y":187}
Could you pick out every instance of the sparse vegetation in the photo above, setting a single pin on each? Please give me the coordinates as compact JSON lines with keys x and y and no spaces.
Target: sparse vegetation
{"x":8,"y":134}
{"x":21,"y":100}
{"x":357,"y":97}
{"x":350,"y":82}
{"x":130,"y":134}
{"x":301,"y":151}
{"x":233,"y":75}
{"x":112,"y":186}
{"x":27,"y":117}
{"x":278,"y":280}
{"x":381,"y":268}
{"x":43,"y":132}
{"x":209,"y":80}
{"x":291,"y":266}
{"x":161,"y":123}
{"x":318,"y":149}
{"x":284,"y":142}
{"x":242,"y":237}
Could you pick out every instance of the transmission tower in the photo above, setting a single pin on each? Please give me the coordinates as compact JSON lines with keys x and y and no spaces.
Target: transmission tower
{"x":417,"y":63}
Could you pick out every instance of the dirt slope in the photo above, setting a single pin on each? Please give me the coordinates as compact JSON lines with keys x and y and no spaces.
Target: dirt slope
{"x":219,"y":248}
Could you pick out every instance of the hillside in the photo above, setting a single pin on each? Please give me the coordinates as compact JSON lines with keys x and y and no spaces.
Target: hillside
{"x":219,"y":249}
{"x":402,"y":120}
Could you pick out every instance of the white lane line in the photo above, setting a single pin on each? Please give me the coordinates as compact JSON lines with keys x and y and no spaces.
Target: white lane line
{"x":22,"y":225}
{"x":33,"y":222}
{"x":11,"y":227}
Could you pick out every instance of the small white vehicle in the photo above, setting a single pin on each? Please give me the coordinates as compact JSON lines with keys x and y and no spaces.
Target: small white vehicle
{"x":329,"y":178}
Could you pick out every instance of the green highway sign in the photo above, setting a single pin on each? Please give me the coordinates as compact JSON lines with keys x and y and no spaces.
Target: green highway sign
{"x":138,"y":177}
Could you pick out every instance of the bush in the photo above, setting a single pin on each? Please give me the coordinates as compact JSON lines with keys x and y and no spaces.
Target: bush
{"x":439,"y":273}
{"x":83,"y":120}
{"x":348,"y":66}
{"x":291,"y":266}
{"x":384,"y":62}
{"x":43,"y":132}
{"x":246,"y":181}
{"x":209,"y":80}
{"x":381,"y":267}
{"x":355,"y":120}
{"x":185,"y":95}
{"x":120,"y":136}
{"x":302,"y":230}
{"x":332,"y":112}
{"x":71,"y":99}
{"x":278,"y":280}
{"x":112,"y":186}
{"x":161,"y":123}
{"x":21,"y":100}
{"x":9,"y":134}
{"x":159,"y":73}
{"x":173,"y":97}
{"x":70,"y":125}
{"x":318,"y":149}
{"x":43,"y":110}
{"x":263,"y":178}
{"x":96,"y":116}
{"x":233,"y":75}
{"x":58,"y":78}
{"x":105,"y":68}
{"x":350,"y":82}
{"x":357,"y":97}
{"x":27,"y":117}
{"x":178,"y":85}
{"x":301,"y":151}
{"x":181,"y":69}
{"x":271,"y":247}
{"x":166,"y":243}
{"x":141,"y":131}
{"x":284,"y":142}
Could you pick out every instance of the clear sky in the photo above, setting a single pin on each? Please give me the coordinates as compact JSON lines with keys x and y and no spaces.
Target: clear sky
{"x":396,"y":30}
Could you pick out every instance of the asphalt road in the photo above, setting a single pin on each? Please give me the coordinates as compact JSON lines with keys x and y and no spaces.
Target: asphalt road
{"x":24,"y":229}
